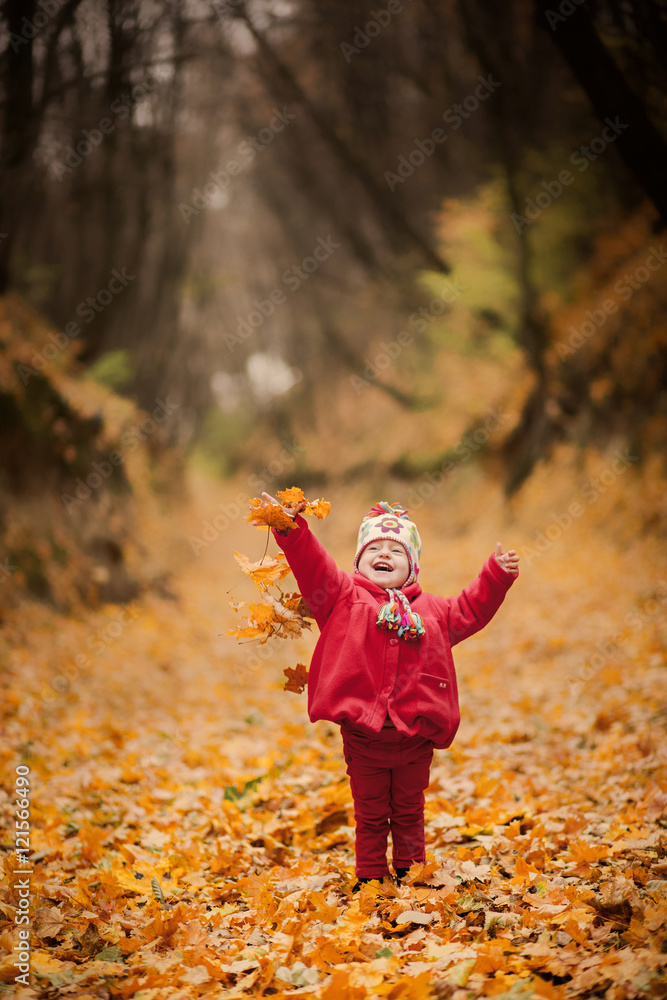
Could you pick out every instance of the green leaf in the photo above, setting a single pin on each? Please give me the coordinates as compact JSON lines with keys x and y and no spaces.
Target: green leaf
{"x":61,"y":978}
{"x":232,"y":794}
{"x":110,"y":954}
{"x":157,"y":890}
{"x":384,"y":953}
{"x":458,"y":974}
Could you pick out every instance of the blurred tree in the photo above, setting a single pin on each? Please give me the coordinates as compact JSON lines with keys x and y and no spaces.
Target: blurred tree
{"x":239,"y":134}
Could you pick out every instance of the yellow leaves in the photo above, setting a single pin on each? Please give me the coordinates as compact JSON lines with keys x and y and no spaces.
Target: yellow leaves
{"x":266,"y":620}
{"x":253,"y":882}
{"x":284,"y":616}
{"x":91,"y":839}
{"x":265,"y":572}
{"x":274,"y":516}
{"x":260,"y":890}
{"x":585,"y":853}
{"x":293,"y":496}
{"x":297,"y":678}
{"x":270,"y":514}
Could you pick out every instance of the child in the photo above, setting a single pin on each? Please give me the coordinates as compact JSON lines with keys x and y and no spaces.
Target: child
{"x":383,"y":670}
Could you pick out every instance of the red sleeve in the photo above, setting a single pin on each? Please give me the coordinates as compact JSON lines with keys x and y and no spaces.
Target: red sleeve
{"x":477,"y":603}
{"x":320,"y":580}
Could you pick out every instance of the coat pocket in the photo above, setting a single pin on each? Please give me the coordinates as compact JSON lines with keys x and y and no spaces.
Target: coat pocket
{"x":434,"y":681}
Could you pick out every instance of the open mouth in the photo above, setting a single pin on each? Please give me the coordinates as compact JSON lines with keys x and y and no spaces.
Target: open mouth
{"x":382,"y":568}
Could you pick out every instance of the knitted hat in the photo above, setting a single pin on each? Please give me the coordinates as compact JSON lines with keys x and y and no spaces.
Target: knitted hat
{"x":390,"y":521}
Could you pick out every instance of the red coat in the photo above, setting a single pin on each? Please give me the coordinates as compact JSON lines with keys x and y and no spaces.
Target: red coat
{"x":359,"y":671}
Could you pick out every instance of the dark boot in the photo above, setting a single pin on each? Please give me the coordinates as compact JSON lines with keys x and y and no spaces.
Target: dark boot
{"x":362,"y":881}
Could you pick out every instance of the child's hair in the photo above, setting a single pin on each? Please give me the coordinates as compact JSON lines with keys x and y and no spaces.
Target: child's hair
{"x":390,"y":521}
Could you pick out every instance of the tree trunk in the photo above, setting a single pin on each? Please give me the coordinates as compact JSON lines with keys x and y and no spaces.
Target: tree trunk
{"x":639,"y":143}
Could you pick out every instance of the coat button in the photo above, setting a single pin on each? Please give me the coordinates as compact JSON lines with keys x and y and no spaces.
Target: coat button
{"x":393,"y":642}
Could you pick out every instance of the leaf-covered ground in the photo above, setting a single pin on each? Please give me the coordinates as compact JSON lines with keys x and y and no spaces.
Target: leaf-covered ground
{"x":192,"y":832}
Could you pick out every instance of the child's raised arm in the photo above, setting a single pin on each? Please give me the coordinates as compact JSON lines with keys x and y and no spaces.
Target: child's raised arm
{"x":315,"y":571}
{"x":478,"y":602}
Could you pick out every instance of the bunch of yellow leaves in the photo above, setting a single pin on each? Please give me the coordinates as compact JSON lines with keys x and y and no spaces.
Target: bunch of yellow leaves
{"x":273,"y":515}
{"x":286,"y":614}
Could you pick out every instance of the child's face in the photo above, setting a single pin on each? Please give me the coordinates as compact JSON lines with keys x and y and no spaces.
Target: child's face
{"x":385,"y":562}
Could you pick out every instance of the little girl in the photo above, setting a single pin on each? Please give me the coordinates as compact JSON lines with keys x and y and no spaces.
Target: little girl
{"x":383,"y":670}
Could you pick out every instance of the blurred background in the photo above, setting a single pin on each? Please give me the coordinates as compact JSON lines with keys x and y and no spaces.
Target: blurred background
{"x":277,"y":242}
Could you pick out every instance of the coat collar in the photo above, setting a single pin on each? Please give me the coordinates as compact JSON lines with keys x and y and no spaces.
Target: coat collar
{"x":412,"y":591}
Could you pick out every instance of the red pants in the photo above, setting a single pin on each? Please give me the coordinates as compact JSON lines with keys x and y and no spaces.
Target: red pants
{"x":389,"y":773}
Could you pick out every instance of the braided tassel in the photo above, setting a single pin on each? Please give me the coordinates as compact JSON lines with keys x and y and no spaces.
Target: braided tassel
{"x":389,"y":617}
{"x":412,"y":626}
{"x":408,"y":623}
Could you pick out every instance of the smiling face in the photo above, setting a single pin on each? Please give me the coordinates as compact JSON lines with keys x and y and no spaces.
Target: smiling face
{"x":385,"y":562}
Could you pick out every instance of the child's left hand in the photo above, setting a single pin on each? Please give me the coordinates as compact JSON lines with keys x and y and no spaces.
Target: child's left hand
{"x":508,"y":560}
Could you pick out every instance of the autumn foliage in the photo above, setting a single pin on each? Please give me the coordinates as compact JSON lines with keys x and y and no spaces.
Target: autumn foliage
{"x":286,"y":614}
{"x":192,"y":833}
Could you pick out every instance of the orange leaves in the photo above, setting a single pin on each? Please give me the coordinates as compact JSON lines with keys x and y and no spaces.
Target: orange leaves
{"x":297,"y":678}
{"x":274,"y":516}
{"x":585,"y":853}
{"x":293,"y":497}
{"x":265,"y":572}
{"x":269,"y":514}
{"x":546,"y":854}
{"x":272,"y":619}
{"x":260,"y":891}
{"x":284,"y":616}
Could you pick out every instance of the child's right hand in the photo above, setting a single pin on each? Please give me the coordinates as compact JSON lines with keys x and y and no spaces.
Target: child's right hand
{"x":290,"y":511}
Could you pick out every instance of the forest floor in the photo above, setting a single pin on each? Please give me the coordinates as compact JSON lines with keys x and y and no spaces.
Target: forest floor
{"x":191,"y":833}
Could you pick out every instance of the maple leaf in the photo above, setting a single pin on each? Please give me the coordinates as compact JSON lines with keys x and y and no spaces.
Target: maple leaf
{"x":270,"y":514}
{"x":320,"y":508}
{"x":266,"y":571}
{"x":297,"y":678}
{"x":260,"y":623}
{"x":292,"y":496}
{"x":287,"y":622}
{"x":270,"y":619}
{"x":49,"y":922}
{"x":295,"y":602}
